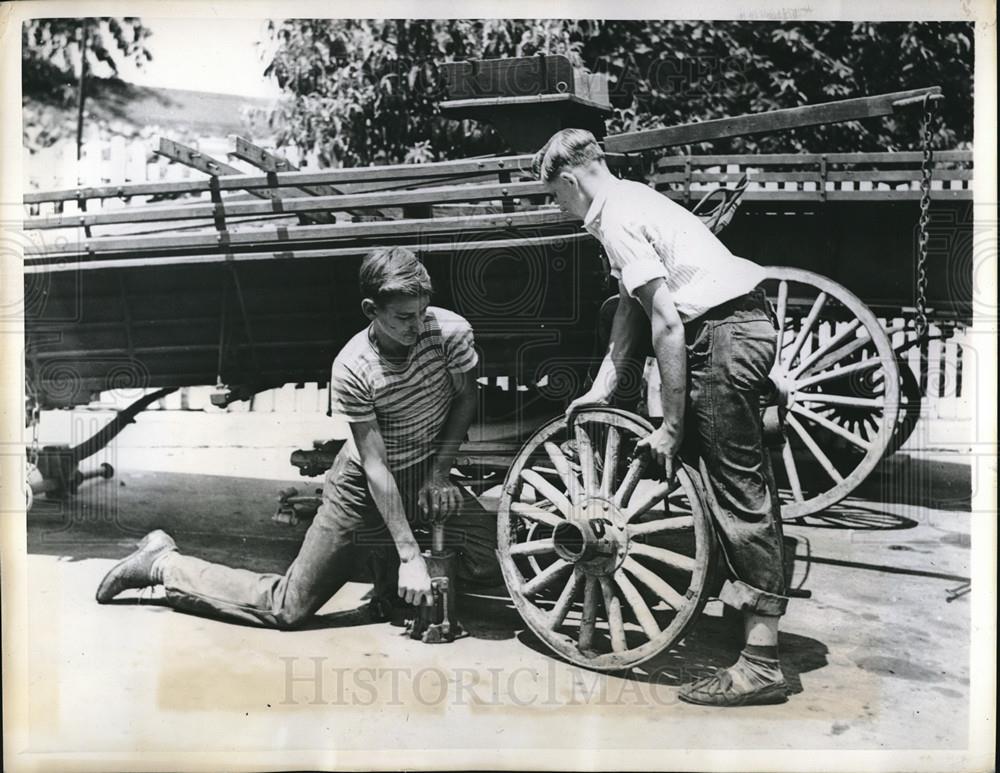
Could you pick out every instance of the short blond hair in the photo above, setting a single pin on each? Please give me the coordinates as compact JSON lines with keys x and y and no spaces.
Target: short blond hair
{"x":391,"y":271}
{"x":566,"y":148}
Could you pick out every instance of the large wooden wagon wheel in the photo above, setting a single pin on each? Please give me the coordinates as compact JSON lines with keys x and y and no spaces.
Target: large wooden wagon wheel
{"x":607,"y":566}
{"x":837,"y":376}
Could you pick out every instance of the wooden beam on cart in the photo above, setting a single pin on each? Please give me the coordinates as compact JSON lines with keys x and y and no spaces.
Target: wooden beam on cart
{"x":177,"y":243}
{"x":356,"y":202}
{"x":403,"y":174}
{"x":755,"y":160}
{"x":443,"y":170}
{"x":188,"y":156}
{"x":955,"y":194}
{"x":271,"y":162}
{"x":772,"y":121}
{"x":130,"y":260}
{"x":195,"y":159}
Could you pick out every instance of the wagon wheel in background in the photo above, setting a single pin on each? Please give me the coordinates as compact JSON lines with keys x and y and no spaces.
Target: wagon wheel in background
{"x":837,"y":376}
{"x":910,"y":407}
{"x":607,"y":566}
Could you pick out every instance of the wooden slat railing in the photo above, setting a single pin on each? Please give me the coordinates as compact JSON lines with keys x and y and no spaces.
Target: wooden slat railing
{"x":290,"y":236}
{"x":800,"y":159}
{"x":223,"y":220}
{"x":294,"y":205}
{"x":817,"y":177}
{"x":401,"y":172}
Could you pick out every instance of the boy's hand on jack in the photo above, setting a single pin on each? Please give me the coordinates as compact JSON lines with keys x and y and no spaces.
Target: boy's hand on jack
{"x":438,"y":497}
{"x":415,"y":582}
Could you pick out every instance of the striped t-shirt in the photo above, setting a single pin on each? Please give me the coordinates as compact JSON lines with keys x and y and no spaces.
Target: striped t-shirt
{"x":648,"y":236}
{"x":410,"y":402}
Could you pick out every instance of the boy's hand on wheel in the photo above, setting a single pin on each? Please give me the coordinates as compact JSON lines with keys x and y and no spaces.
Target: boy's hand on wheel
{"x":662,"y":447}
{"x":590,"y":398}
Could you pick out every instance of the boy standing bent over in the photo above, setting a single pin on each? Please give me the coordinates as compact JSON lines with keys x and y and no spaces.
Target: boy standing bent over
{"x":406,"y":386}
{"x":714,"y":342}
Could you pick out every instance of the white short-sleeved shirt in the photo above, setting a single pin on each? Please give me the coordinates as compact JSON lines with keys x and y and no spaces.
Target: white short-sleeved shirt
{"x":410,"y":402}
{"x":646,"y":236}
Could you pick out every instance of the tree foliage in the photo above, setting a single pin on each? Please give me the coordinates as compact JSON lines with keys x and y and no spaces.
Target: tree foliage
{"x":718,"y":69}
{"x":50,"y":65}
{"x":50,"y":52}
{"x":367,"y":91}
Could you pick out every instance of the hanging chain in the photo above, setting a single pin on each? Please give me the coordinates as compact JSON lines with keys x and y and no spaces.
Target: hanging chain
{"x":34,"y":419}
{"x":925,"y":214}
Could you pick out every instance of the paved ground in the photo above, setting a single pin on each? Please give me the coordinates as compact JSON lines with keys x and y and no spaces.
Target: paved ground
{"x":877,"y":658}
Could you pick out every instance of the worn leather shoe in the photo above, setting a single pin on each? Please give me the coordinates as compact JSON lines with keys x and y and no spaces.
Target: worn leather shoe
{"x":749,"y":682}
{"x":135,"y":570}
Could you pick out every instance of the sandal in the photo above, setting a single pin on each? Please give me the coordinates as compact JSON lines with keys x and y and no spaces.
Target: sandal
{"x":748,"y":682}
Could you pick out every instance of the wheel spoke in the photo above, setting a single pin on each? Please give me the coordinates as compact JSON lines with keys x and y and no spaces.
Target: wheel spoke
{"x":566,"y":474}
{"x":668,"y":557}
{"x":532,"y":548}
{"x":823,"y":397}
{"x":832,"y":427}
{"x":826,"y":347}
{"x":630,"y":481}
{"x":546,"y":577}
{"x":585,"y":450}
{"x":588,"y":618}
{"x":816,"y":451}
{"x":854,"y":367}
{"x":661,"y":525}
{"x":804,"y":331}
{"x":610,"y":461}
{"x":656,"y":495}
{"x":613,"y":607}
{"x":839,"y":355}
{"x":792,"y":471}
{"x":639,"y":608}
{"x":547,"y":490}
{"x":565,"y":600}
{"x":536,"y":514}
{"x":654,"y":582}
{"x":782,"y":309}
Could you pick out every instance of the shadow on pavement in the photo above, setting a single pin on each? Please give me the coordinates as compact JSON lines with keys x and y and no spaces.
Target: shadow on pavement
{"x":913,"y":480}
{"x":228,"y":520}
{"x":715,"y":642}
{"x":850,"y":515}
{"x":904,"y":479}
{"x":712,"y":643}
{"x":218,"y":518}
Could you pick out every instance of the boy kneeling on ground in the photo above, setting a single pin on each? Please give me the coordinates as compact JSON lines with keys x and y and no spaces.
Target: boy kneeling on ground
{"x":406,"y":386}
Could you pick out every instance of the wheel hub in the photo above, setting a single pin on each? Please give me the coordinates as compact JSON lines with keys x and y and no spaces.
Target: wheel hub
{"x":594,"y":537}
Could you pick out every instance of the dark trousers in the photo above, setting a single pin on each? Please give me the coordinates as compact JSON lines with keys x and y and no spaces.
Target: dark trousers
{"x":730,"y":351}
{"x":347,"y":524}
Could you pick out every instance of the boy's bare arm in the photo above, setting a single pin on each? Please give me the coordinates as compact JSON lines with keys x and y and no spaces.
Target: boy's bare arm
{"x":456,"y":426}
{"x":671,"y":359}
{"x":414,"y":581}
{"x":439,"y":497}
{"x":625,"y":329}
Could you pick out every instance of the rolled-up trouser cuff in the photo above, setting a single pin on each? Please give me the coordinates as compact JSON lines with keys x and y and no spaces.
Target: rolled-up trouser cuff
{"x":739,"y":595}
